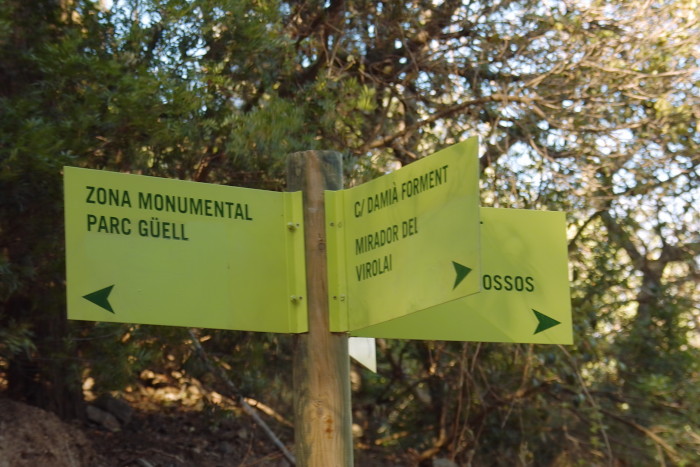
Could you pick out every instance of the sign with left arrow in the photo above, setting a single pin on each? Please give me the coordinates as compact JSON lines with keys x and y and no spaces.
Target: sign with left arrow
{"x":171,"y":252}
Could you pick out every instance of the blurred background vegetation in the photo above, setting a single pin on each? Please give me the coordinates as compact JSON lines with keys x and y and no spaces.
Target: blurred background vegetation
{"x":589,"y":107}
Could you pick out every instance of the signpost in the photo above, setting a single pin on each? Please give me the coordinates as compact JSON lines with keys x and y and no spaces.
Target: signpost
{"x":405,"y":241}
{"x":321,"y":366}
{"x":525,"y":288}
{"x":160,"y":251}
{"x":403,"y":256}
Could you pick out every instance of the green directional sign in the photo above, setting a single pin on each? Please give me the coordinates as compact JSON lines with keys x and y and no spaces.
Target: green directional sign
{"x":525,"y":288}
{"x":160,"y":251}
{"x":405,"y":241}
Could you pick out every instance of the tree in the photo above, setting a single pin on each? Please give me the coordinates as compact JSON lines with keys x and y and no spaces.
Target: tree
{"x":587,"y":107}
{"x":73,"y":93}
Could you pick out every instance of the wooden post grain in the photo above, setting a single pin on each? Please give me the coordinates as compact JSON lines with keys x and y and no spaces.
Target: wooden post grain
{"x":322,"y":413}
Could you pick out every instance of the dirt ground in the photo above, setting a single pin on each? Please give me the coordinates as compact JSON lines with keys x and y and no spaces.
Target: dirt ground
{"x":32,"y":437}
{"x":171,"y":422}
{"x":171,"y":437}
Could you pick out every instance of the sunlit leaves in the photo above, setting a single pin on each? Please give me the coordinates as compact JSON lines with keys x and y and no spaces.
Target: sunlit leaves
{"x":585,"y":106}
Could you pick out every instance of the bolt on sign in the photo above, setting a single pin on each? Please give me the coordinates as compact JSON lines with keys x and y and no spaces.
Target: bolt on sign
{"x":405,"y":241}
{"x":524,"y":282}
{"x":160,"y":251}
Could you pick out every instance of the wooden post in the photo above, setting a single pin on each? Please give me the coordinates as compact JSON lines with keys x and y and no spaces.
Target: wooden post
{"x":322,"y":412}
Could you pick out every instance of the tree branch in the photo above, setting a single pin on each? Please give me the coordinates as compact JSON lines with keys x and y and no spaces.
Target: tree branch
{"x":444,"y":113}
{"x":240,"y":399}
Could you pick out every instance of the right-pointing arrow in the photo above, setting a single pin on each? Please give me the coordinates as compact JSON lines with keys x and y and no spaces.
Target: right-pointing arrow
{"x":101,"y":298}
{"x":544,"y":322}
{"x":461,"y":272}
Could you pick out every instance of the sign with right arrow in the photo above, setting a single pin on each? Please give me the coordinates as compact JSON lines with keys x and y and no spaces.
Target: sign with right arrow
{"x":525,"y":288}
{"x":406,"y":241}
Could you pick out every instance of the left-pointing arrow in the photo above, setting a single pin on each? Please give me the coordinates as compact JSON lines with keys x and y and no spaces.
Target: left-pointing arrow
{"x":100,"y":298}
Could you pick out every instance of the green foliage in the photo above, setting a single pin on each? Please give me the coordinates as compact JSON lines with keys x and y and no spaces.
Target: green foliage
{"x":587,"y":107}
{"x":14,"y":339}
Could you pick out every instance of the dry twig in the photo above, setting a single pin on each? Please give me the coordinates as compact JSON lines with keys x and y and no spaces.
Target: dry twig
{"x":240,"y":399}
